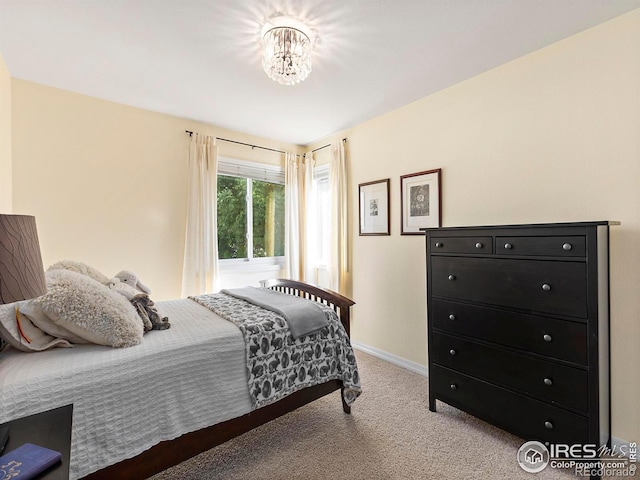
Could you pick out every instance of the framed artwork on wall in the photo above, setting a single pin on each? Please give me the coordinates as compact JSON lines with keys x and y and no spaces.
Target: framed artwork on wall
{"x":374,"y":199}
{"x":421,"y":200}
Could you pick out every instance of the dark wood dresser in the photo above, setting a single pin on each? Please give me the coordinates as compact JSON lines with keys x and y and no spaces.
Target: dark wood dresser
{"x":518,"y":327}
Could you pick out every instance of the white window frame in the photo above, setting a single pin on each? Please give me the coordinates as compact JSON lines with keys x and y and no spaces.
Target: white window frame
{"x":233,"y":167}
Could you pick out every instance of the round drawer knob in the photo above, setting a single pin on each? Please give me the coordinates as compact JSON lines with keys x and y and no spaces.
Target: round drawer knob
{"x":546,"y":287}
{"x":548,"y":425}
{"x":453,"y":386}
{"x":508,"y":246}
{"x":547,"y":337}
{"x":452,"y":351}
{"x":548,"y":381}
{"x":567,"y":246}
{"x":479,"y":245}
{"x":438,"y":245}
{"x":452,"y":317}
{"x":452,"y":277}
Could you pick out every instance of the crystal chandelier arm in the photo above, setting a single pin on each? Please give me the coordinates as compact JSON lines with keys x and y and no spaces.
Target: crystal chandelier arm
{"x":286,"y":51}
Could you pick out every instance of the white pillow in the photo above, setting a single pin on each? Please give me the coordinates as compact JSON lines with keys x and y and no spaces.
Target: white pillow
{"x":33,"y":312}
{"x":89,"y":309}
{"x":82,"y":268}
{"x":36,"y":340}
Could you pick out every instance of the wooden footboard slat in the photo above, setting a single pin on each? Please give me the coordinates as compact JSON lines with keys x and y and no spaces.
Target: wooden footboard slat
{"x":339,"y":303}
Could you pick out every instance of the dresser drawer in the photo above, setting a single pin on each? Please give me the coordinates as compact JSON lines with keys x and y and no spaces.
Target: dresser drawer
{"x":521,"y":415}
{"x":542,"y":286}
{"x":462,"y":245}
{"x":549,"y":381}
{"x":572,"y":246}
{"x":542,"y":335}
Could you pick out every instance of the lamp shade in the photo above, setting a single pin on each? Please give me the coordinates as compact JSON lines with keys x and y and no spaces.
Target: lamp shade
{"x":21,"y":271}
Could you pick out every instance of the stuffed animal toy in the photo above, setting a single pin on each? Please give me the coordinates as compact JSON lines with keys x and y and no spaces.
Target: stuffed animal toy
{"x":123,"y":288}
{"x":151,"y":318}
{"x":149,"y":313}
{"x":132,"y":280}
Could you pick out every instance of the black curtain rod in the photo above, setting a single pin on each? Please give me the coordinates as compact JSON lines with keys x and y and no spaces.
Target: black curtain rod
{"x":248,"y":144}
{"x":320,"y":148}
{"x":325,"y":146}
{"x":266,"y":148}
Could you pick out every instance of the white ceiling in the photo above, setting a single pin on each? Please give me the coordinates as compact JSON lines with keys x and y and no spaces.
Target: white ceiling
{"x":200,"y":59}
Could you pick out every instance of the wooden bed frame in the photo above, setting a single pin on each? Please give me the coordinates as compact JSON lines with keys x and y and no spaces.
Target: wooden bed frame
{"x":172,"y":452}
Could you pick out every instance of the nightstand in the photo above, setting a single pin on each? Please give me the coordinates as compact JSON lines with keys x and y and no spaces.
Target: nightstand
{"x":50,"y":429}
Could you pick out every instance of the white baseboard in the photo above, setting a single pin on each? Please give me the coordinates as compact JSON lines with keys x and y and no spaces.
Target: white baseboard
{"x":391,"y":358}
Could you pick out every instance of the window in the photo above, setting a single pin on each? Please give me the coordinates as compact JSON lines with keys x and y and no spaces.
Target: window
{"x":322,"y":196}
{"x":250,"y":211}
{"x":319,"y":228}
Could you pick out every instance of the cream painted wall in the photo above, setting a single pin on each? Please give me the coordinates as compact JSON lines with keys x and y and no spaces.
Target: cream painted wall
{"x":552,"y":136}
{"x":6,"y":184}
{"x":108,"y":183}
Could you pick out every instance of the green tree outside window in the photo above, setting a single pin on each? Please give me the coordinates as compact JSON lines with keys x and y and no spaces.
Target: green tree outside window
{"x":250,"y":218}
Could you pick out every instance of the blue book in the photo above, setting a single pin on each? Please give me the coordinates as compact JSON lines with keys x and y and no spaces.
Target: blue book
{"x":27,"y":461}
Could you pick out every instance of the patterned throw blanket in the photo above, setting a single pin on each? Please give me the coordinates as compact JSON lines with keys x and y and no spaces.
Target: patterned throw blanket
{"x":278,"y":365}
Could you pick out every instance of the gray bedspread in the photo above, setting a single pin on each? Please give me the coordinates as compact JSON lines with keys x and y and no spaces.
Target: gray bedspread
{"x":278,"y":364}
{"x":302,"y":316}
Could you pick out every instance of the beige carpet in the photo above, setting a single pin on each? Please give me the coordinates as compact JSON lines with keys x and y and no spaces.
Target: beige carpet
{"x":390,"y":435}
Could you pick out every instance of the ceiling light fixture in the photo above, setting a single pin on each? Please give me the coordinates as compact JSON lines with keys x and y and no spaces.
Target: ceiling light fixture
{"x":286,"y":50}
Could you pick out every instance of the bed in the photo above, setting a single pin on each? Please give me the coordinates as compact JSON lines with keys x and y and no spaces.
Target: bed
{"x":142,"y":409}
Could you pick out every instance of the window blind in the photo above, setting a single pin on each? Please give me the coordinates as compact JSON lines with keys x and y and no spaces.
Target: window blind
{"x":253,"y":170}
{"x":321,"y":173}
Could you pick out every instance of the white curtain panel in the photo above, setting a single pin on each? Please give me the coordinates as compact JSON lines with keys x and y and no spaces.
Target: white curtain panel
{"x":339,"y":256}
{"x":200,"y":269}
{"x":310,"y":220}
{"x":292,"y":188}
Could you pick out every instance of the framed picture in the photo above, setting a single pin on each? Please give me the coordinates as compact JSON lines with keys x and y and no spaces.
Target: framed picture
{"x":421,"y":201}
{"x":374,"y":207}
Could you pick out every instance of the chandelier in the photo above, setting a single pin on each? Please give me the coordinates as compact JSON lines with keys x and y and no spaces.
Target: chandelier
{"x":286,"y":54}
